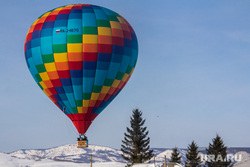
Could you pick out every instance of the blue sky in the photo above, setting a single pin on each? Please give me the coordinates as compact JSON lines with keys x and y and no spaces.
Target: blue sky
{"x":191,"y":80}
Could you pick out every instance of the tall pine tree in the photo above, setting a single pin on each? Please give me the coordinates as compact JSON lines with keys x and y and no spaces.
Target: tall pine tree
{"x":217,"y":153}
{"x":135,"y":147}
{"x":192,"y":155}
{"x":175,"y":156}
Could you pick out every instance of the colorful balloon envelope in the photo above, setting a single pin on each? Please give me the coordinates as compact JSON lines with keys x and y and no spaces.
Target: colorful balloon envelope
{"x":81,"y":56}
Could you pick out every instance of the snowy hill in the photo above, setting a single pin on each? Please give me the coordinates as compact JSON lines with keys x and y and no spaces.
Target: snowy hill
{"x":70,"y":155}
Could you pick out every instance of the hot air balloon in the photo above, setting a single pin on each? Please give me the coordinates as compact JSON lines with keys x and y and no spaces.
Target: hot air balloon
{"x":81,"y":56}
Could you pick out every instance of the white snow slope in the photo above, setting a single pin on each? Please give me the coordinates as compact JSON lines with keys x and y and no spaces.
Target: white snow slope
{"x":70,"y":155}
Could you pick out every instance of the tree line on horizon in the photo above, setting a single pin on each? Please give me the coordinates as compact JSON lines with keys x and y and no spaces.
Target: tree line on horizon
{"x":136,"y":149}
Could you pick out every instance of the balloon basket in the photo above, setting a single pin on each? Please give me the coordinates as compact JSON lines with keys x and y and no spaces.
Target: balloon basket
{"x":82,"y":142}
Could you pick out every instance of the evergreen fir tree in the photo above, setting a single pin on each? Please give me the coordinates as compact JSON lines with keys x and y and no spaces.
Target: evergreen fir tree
{"x":217,"y":153}
{"x":192,"y":155}
{"x":175,"y":156}
{"x":135,"y":147}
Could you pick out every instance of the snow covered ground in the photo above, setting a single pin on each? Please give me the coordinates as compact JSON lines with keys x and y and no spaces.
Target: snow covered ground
{"x":245,"y":161}
{"x":70,"y":155}
{"x":6,"y":160}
